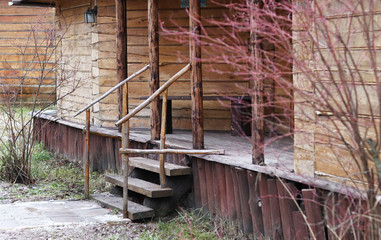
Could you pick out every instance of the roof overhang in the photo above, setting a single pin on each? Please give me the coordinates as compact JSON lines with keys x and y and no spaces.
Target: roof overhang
{"x":35,"y":3}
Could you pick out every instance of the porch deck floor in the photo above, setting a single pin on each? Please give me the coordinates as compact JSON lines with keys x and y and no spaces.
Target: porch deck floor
{"x":279,"y":151}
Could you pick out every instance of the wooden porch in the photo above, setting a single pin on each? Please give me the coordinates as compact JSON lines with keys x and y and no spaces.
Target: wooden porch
{"x":226,"y":185}
{"x":279,"y":151}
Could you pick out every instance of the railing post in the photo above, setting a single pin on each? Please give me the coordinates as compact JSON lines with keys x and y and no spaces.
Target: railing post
{"x":87,"y":160}
{"x":125,"y":144}
{"x":162,"y":137}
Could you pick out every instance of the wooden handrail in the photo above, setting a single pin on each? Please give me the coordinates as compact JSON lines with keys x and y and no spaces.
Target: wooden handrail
{"x":156,"y":94}
{"x":112,"y":89}
{"x":175,"y":151}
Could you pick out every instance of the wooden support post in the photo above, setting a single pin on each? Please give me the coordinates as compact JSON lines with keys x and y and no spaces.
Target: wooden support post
{"x":121,"y":48}
{"x":196,"y":75}
{"x":257,"y":89}
{"x":153,"y":42}
{"x":87,"y":163}
{"x":162,"y":138}
{"x":121,"y":56}
{"x":125,"y":144}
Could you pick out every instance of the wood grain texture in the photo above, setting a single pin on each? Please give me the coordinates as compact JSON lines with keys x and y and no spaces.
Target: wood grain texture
{"x":22,"y":66}
{"x":196,"y":74}
{"x":153,"y":44}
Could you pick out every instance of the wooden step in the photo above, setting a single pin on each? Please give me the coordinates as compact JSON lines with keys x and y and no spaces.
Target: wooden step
{"x":153,"y":166}
{"x":140,"y":186}
{"x":135,"y":210}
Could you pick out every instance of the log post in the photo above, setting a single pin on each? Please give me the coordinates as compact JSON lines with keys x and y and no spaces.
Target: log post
{"x":121,"y":49}
{"x":153,"y":42}
{"x":121,"y":56}
{"x":87,"y":161}
{"x":196,"y":74}
{"x":162,"y":138}
{"x":257,"y":88}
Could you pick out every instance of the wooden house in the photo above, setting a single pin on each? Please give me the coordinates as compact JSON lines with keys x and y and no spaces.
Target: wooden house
{"x":22,"y":28}
{"x":270,"y":189}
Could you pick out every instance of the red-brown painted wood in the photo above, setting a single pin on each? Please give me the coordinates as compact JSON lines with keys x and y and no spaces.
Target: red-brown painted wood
{"x":237,"y":200}
{"x":265,"y":200}
{"x":301,"y":231}
{"x":287,"y":207}
{"x":209,"y":186}
{"x":216,"y":190}
{"x":244,"y":198}
{"x":230,"y":199}
{"x":222,"y":188}
{"x":196,"y":184}
{"x":196,"y":75}
{"x":203,"y":186}
{"x":276,"y":221}
{"x":255,"y":204}
{"x":314,"y":212}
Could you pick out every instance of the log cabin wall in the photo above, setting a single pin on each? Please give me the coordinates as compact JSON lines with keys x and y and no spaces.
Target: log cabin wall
{"x":318,"y":151}
{"x":17,"y":53}
{"x":76,"y":55}
{"x":95,"y":44}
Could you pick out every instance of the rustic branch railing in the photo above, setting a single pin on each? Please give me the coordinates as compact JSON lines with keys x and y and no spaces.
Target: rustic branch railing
{"x":112,"y":89}
{"x":87,"y":109}
{"x":175,"y":151}
{"x":162,"y":150}
{"x":156,"y":94}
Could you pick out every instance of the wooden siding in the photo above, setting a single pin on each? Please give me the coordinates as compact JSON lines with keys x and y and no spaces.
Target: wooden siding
{"x":75,"y":51}
{"x":318,"y":151}
{"x":101,"y":45}
{"x":21,"y":28}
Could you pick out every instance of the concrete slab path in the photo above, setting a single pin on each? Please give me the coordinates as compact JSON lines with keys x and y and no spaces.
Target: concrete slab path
{"x":53,"y":213}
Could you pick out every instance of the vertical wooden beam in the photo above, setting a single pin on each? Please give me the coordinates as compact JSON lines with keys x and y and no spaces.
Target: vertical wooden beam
{"x":121,"y":48}
{"x":314,"y":212}
{"x":121,"y":57}
{"x":254,"y":204}
{"x":301,"y":231}
{"x":266,"y":207}
{"x":153,"y":43}
{"x":230,"y":199}
{"x":196,"y":184}
{"x":244,"y":200}
{"x":257,"y":88}
{"x":162,"y":138}
{"x":277,"y":231}
{"x":196,"y":75}
{"x":87,"y":163}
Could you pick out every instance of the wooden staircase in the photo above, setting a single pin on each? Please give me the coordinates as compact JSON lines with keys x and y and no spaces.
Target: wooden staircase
{"x":148,"y":189}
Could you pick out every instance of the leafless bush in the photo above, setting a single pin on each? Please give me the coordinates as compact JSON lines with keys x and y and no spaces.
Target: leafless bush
{"x":17,"y":139}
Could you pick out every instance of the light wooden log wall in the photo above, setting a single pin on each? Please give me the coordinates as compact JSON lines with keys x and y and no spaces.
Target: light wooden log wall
{"x":99,"y":42}
{"x":17,"y":52}
{"x":318,"y":152}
